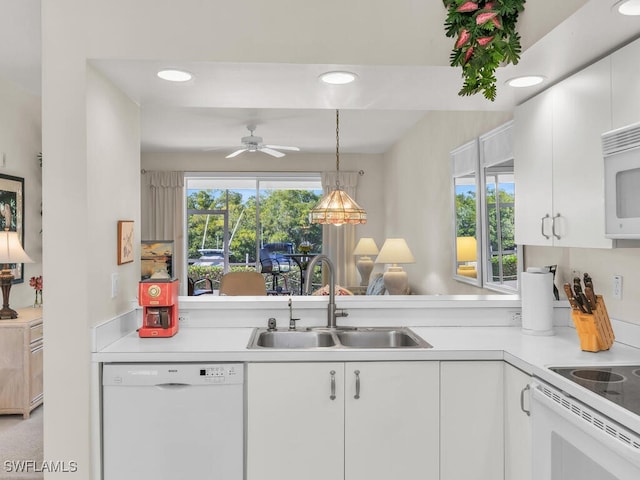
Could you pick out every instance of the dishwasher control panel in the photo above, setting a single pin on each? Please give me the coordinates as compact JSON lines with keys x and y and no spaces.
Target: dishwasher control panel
{"x":173,"y":374}
{"x":219,"y":373}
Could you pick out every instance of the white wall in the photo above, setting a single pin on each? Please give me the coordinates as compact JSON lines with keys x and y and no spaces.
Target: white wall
{"x":20,"y":142}
{"x":419,"y":195}
{"x":602,"y":265}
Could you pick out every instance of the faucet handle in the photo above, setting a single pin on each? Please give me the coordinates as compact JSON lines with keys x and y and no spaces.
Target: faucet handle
{"x":271,"y":324}
{"x":292,"y":323}
{"x":341,"y":312}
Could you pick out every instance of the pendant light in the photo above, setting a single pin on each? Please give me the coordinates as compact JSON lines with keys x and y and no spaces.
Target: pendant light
{"x":337,"y":207}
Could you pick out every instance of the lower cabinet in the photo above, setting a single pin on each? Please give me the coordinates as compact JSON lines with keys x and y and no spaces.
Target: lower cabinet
{"x":517,"y":432}
{"x":471,"y":416}
{"x":21,"y":353}
{"x":352,"y":421}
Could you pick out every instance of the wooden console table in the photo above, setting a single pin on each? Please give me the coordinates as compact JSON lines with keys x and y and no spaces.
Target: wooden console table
{"x":21,"y":352}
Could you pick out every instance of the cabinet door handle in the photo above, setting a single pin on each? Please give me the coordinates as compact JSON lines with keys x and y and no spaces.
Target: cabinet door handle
{"x":357,"y":395}
{"x":333,"y":385}
{"x":542,"y":226}
{"x":522,"y":393}
{"x":553,"y":226}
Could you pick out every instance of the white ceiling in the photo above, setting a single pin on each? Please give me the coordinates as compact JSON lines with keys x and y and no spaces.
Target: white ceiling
{"x":290,"y":106}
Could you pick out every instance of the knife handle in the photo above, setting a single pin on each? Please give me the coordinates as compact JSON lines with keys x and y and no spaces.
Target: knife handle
{"x":570,"y":297}
{"x":591,"y":296}
{"x":585,"y":303}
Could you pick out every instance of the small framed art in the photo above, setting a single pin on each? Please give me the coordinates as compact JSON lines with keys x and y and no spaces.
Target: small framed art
{"x":125,"y":241}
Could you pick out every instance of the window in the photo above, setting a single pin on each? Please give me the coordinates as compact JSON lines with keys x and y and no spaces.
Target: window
{"x":484,"y":189}
{"x":230,"y":217}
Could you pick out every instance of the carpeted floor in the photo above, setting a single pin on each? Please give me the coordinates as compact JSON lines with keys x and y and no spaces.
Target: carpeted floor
{"x":21,"y":452}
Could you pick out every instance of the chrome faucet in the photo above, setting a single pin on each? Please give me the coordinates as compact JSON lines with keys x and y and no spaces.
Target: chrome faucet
{"x":332,"y":311}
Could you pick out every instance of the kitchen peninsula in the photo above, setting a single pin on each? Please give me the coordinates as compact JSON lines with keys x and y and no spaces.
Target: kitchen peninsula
{"x":476,"y":372}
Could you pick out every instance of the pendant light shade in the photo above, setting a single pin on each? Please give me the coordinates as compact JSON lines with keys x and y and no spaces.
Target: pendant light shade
{"x":337,"y":207}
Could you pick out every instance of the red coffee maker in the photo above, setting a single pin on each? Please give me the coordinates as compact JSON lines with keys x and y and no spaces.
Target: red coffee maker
{"x":160,"y":313}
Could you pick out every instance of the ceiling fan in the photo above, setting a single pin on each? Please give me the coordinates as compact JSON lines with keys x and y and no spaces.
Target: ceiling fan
{"x":253,"y":143}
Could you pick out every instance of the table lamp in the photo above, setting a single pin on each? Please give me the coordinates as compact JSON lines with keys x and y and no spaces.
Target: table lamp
{"x":364,"y":248}
{"x":395,"y":251}
{"x":10,"y":252}
{"x":466,"y":251}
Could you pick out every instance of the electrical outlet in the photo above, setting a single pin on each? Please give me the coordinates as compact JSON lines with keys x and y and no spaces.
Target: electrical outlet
{"x":617,"y":287}
{"x":516,"y":317}
{"x":183,"y":319}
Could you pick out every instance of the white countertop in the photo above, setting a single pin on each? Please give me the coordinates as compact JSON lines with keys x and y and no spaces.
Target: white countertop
{"x":531,"y":354}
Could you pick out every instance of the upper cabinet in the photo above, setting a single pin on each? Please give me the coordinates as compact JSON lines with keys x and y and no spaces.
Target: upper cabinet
{"x":558,"y":161}
{"x":625,"y":85}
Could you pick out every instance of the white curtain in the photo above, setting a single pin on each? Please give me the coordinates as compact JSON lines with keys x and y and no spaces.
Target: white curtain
{"x":163,"y":214}
{"x":339,"y":242}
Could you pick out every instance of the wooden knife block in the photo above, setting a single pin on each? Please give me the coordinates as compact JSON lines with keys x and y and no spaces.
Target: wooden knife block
{"x":594,"y":329}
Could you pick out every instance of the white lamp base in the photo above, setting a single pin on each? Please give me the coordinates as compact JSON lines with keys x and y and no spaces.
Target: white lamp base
{"x":365,"y":267}
{"x":396,"y":281}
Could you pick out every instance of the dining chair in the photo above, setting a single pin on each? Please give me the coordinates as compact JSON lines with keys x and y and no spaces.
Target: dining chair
{"x":242,"y":283}
{"x":274,"y":261}
{"x":200,"y":286}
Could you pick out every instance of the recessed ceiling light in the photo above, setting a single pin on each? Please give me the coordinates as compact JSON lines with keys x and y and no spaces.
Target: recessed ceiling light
{"x":628,"y":7}
{"x":174,"y":75}
{"x":525,"y":81}
{"x":338,"y":78}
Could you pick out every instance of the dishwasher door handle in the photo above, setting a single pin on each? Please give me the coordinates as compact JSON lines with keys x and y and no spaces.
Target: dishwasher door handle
{"x":172,"y":386}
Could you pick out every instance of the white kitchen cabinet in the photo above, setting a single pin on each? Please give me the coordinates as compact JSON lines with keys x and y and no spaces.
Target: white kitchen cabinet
{"x":517,"y":432}
{"x":625,"y":88}
{"x":471,"y":420}
{"x":296,"y":430}
{"x":558,"y":161}
{"x":533,"y":170}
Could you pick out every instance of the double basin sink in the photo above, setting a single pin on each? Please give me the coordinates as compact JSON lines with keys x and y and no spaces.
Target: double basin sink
{"x":340,"y":337}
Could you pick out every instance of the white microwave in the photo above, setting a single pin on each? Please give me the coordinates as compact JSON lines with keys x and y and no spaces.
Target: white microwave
{"x":621,"y":150}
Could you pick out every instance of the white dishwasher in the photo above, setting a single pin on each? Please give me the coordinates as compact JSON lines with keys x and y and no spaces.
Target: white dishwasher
{"x":168,"y":421}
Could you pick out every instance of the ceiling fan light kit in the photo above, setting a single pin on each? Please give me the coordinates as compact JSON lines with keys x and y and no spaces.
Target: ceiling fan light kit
{"x":253,"y":143}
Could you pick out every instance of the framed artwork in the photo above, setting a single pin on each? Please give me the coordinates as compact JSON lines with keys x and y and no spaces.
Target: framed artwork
{"x":156,"y":258}
{"x":12,"y":214}
{"x":125,"y":241}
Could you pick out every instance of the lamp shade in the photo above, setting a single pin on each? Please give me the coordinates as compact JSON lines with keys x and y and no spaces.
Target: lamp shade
{"x":366,"y":246}
{"x":395,"y":250}
{"x":337,"y":208}
{"x":466,"y":249}
{"x":10,"y":249}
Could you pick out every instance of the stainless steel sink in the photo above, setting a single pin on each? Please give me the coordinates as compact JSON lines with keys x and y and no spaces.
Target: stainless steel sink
{"x":294,"y":339}
{"x":347,"y":337}
{"x":381,"y":338}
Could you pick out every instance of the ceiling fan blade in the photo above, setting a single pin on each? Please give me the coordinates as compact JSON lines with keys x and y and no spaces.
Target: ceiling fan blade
{"x":273,"y":153}
{"x":283,"y":147}
{"x":236,"y":153}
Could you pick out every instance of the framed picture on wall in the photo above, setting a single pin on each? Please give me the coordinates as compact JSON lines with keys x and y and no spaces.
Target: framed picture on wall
{"x":125,"y":241}
{"x":12,"y":214}
{"x":156,"y":259}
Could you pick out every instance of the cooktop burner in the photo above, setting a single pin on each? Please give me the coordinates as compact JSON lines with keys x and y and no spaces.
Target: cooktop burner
{"x":619,"y":384}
